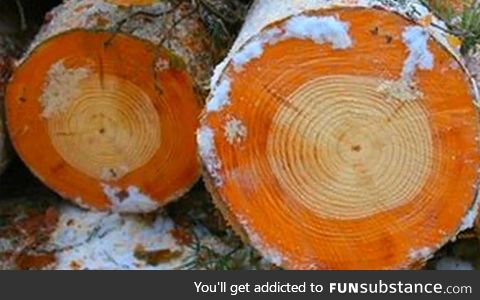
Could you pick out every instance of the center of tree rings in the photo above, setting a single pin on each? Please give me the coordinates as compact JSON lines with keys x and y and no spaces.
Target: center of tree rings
{"x":109,"y":130}
{"x":351,"y":152}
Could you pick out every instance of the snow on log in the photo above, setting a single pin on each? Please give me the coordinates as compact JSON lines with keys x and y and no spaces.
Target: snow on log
{"x":39,"y":233}
{"x":98,"y":240}
{"x":104,"y":106}
{"x":343,"y":135}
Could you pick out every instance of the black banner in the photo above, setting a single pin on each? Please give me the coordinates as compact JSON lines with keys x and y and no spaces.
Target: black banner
{"x":241,"y":285}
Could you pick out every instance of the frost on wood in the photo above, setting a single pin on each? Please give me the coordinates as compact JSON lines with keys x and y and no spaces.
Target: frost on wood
{"x":320,"y":30}
{"x":317,"y":29}
{"x":471,"y":216}
{"x":61,"y":88}
{"x":416,"y":39}
{"x":400,"y":90}
{"x":270,"y":254}
{"x":88,"y":240}
{"x":421,"y":254}
{"x":420,"y":57}
{"x":235,"y":131}
{"x":129,"y":201}
{"x":208,"y":153}
{"x":254,"y":49}
{"x":80,"y":239}
{"x":221,"y":96}
{"x":267,"y":12}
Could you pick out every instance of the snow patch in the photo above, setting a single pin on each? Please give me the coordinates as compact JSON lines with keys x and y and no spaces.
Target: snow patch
{"x":250,"y":52}
{"x":266,"y":12}
{"x":421,"y":254}
{"x":208,"y":153}
{"x":94,"y":240}
{"x":235,"y":131}
{"x":131,"y":200}
{"x":61,"y":88}
{"x":471,"y":216}
{"x":270,"y":254}
{"x":320,"y":30}
{"x":416,"y":39}
{"x":221,"y":96}
{"x":400,"y":90}
{"x":79,"y":202}
{"x":254,"y":49}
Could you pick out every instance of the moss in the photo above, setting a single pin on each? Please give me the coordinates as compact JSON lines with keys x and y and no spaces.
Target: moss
{"x":175,"y":62}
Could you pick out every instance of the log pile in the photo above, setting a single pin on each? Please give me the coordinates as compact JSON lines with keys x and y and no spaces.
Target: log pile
{"x":103,"y":107}
{"x":343,"y":135}
{"x":336,"y":135}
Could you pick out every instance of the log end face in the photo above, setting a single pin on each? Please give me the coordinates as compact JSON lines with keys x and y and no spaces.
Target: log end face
{"x":331,"y":145}
{"x":110,"y":128}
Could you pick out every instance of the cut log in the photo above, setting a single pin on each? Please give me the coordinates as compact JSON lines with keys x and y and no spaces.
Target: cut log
{"x":343,"y":136}
{"x":18,"y":22}
{"x":104,"y":106}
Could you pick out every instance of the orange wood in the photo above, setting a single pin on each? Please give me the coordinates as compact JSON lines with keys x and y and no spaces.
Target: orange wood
{"x":388,"y":240}
{"x":167,"y":174}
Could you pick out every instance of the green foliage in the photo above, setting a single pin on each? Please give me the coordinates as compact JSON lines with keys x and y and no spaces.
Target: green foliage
{"x":470,"y":24}
{"x":466,"y":25}
{"x":442,"y":8}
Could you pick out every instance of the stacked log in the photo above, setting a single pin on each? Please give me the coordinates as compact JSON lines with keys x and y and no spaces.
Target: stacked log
{"x":104,"y":106}
{"x":343,"y":135}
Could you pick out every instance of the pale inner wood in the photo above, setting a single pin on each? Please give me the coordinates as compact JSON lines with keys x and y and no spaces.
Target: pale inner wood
{"x":344,"y":150}
{"x":109,"y":131}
